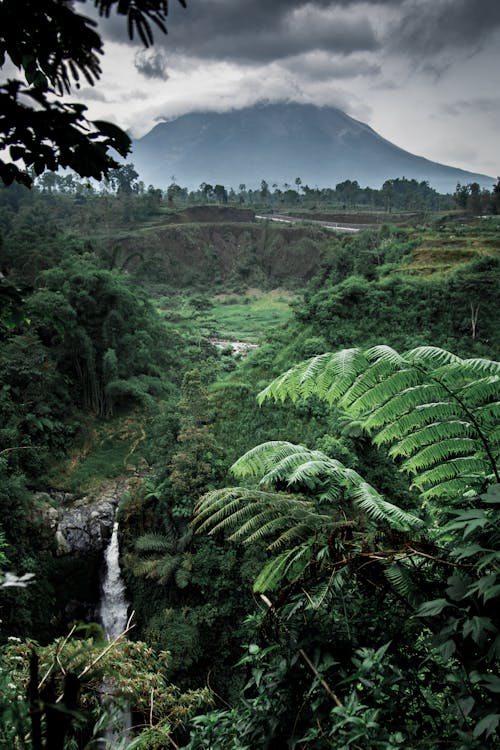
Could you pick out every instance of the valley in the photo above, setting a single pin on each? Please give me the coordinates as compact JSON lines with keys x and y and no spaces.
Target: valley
{"x":122,"y":389}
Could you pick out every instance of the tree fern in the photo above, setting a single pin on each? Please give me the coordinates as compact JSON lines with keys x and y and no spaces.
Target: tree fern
{"x":437,"y":411}
{"x":250,"y":515}
{"x":161,"y":557}
{"x":153,"y":543}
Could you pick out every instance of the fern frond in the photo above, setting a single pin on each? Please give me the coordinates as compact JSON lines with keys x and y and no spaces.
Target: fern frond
{"x":252,"y":514}
{"x":440,"y":452}
{"x":383,"y":391}
{"x":184,"y":571}
{"x":146,"y":568}
{"x":430,"y":434}
{"x":374,"y":505}
{"x":401,"y":581}
{"x":327,"y":376}
{"x":481,"y":391}
{"x":422,"y":415}
{"x":471,"y":469}
{"x":217,"y":506}
{"x":276,"y":569}
{"x":261,"y":459}
{"x":307,"y":468}
{"x":431,"y":355}
{"x":481,"y":365}
{"x":312,"y":524}
{"x":259,"y":525}
{"x":153,"y":543}
{"x":166,"y":568}
{"x":365,"y":380}
{"x":384,"y":353}
{"x":454,"y":488}
{"x":403,"y":402}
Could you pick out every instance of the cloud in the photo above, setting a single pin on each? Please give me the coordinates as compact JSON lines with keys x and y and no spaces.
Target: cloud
{"x":484,"y":105}
{"x":320,"y":66}
{"x":259,"y":31}
{"x":151,"y":63}
{"x":432,"y":27}
{"x":92,"y":94}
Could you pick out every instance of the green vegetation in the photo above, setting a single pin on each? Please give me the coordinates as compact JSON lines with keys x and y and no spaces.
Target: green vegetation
{"x":233,"y":317}
{"x":355,"y":565}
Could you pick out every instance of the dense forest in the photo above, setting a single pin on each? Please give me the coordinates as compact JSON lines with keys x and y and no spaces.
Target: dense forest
{"x":308,"y":530}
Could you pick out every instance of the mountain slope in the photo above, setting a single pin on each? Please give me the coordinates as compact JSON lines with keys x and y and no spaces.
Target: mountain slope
{"x":279,"y":142}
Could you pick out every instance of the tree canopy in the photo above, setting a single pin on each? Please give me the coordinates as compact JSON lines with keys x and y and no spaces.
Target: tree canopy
{"x":53,"y":47}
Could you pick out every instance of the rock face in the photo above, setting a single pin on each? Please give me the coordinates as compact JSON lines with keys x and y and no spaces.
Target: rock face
{"x":86,"y":527}
{"x":80,"y":526}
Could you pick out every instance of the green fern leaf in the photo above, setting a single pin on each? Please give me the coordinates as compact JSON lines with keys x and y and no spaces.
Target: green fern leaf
{"x":472,"y":470}
{"x":440,"y":452}
{"x":374,"y":505}
{"x":430,"y":434}
{"x":151,"y":543}
{"x":422,"y":415}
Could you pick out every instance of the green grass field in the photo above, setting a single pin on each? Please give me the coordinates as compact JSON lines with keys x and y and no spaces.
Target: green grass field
{"x":235,"y":317}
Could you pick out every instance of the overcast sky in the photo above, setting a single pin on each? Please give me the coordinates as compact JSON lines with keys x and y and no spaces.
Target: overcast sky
{"x":425,"y":74}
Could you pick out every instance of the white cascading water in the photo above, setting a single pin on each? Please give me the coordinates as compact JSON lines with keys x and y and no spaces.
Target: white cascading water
{"x":113,"y":607}
{"x":113,"y":616}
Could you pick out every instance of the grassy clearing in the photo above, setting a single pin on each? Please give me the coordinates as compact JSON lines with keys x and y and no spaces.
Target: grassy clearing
{"x":247,"y":317}
{"x":235,"y":317}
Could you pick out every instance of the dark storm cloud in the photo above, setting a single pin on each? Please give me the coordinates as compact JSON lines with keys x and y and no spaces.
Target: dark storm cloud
{"x":431,"y":27}
{"x":261,"y":31}
{"x":256,"y":31}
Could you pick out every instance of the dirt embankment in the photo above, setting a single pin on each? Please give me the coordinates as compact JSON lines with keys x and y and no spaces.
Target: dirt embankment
{"x":217,"y":255}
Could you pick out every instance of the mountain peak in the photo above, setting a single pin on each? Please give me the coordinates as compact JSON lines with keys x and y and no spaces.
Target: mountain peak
{"x":279,"y":142}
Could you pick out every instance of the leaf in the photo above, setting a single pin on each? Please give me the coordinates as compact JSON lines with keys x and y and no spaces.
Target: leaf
{"x":488,"y":724}
{"x":118,"y":138}
{"x":476,"y":627}
{"x":457,"y":587}
{"x":491,"y":682}
{"x":432,"y":608}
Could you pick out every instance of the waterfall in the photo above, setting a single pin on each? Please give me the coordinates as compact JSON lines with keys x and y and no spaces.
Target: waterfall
{"x":113,"y":616}
{"x":114,"y":605}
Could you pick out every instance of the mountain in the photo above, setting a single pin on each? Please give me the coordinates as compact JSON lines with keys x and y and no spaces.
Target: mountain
{"x":280,"y":142}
